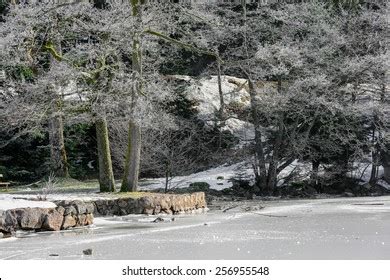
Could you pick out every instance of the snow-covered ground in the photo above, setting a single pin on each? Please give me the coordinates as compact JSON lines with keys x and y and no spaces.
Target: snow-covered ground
{"x":344,"y":228}
{"x":384,"y":184}
{"x":218,"y":178}
{"x":9,"y":202}
{"x":362,"y":171}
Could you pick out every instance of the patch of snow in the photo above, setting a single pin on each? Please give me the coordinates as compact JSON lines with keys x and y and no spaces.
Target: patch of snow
{"x":86,"y":197}
{"x":302,"y":171}
{"x":7,"y":202}
{"x":218,"y":178}
{"x":101,"y":221}
{"x":363,"y":171}
{"x":70,"y":92}
{"x":384,"y":184}
{"x":241,"y":129}
{"x":3,"y":240}
{"x":205,"y":93}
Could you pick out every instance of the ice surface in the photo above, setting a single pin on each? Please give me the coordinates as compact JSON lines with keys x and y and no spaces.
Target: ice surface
{"x":343,"y":228}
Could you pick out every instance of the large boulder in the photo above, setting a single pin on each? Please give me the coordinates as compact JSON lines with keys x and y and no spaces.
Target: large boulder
{"x":146,"y":204}
{"x":2,"y":221}
{"x":122,"y":203}
{"x":69,"y":222}
{"x":85,"y":220}
{"x":54,"y":219}
{"x":70,"y":210}
{"x":89,"y":219}
{"x":31,"y":218}
{"x":8,"y":222}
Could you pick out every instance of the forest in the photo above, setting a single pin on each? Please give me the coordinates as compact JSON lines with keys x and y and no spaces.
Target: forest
{"x":296,"y":92}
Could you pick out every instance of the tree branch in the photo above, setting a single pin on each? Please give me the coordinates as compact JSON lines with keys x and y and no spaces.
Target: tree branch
{"x":183,"y":45}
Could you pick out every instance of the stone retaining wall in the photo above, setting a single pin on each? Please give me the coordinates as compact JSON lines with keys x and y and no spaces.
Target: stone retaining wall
{"x":152,"y":204}
{"x":69,"y":214}
{"x":45,"y":219}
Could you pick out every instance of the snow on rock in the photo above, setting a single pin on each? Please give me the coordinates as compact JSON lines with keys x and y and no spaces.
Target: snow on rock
{"x":7,"y":202}
{"x":205,"y":93}
{"x":241,"y":129}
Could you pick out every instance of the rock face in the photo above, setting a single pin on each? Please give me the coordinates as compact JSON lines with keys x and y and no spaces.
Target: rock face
{"x":75,"y":213}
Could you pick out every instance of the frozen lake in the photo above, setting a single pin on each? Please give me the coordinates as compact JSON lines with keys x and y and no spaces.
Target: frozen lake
{"x":342,"y":228}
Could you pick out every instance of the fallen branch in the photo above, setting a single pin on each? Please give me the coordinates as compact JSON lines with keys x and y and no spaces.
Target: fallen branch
{"x":229,"y":208}
{"x":369,"y":204}
{"x":269,"y":215}
{"x":32,"y":184}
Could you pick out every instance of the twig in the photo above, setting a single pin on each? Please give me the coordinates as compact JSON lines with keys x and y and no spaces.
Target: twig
{"x":273,"y":216}
{"x":369,"y":204}
{"x":32,"y":184}
{"x":229,"y":208}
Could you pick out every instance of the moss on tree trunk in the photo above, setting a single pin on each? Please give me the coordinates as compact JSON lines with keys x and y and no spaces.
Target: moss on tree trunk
{"x":133,"y":157}
{"x":106,"y":175}
{"x":58,"y":158}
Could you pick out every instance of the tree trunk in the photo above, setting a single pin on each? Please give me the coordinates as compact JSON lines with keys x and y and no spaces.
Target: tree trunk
{"x":167,"y":175}
{"x":387,"y":173}
{"x":133,"y":155}
{"x":271,"y":177}
{"x":374,"y":167}
{"x":385,"y":155}
{"x":244,"y":24}
{"x":386,"y":165}
{"x":273,"y":165}
{"x":58,"y":158}
{"x":221,"y":99}
{"x":220,"y":121}
{"x":383,"y":92}
{"x":274,"y":162}
{"x":106,"y":175}
{"x":132,"y":161}
{"x":259,"y":149}
{"x":374,"y":154}
{"x":345,"y":168}
{"x":314,"y":174}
